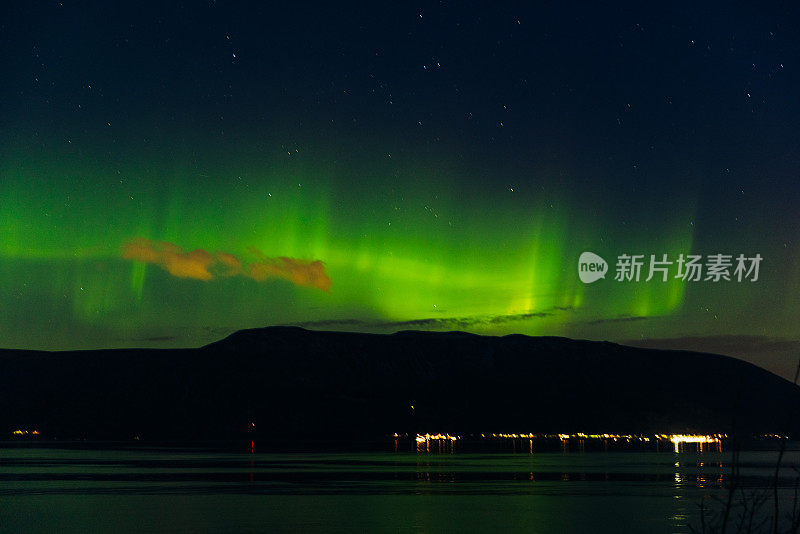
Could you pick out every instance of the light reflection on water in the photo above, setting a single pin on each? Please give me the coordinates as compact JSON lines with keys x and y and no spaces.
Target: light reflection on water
{"x":169,"y":489}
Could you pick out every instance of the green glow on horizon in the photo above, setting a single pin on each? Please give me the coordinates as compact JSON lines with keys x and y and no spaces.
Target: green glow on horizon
{"x":397,"y":249}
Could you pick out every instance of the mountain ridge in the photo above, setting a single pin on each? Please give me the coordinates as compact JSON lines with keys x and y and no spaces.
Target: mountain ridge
{"x":298,"y":383}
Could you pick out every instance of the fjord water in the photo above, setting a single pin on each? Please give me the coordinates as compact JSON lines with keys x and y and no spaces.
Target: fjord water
{"x":172,"y":489}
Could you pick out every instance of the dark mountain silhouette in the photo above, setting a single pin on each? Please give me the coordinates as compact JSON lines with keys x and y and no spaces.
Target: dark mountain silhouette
{"x":295,"y":383}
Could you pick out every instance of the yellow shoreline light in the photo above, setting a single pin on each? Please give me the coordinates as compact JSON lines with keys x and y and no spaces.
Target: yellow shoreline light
{"x":676,"y":439}
{"x":434,"y":437}
{"x":25,"y":432}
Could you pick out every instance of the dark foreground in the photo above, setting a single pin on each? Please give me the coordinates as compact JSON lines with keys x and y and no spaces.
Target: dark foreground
{"x":290,"y":383}
{"x":83,"y":488}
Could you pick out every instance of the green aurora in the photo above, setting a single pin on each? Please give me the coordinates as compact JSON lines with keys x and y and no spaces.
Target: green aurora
{"x":403,"y":247}
{"x":447,"y":179}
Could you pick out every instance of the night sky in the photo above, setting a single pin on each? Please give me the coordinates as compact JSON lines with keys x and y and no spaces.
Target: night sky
{"x":170,"y":174}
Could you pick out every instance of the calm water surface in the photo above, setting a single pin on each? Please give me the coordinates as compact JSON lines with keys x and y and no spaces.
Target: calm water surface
{"x":85,"y":489}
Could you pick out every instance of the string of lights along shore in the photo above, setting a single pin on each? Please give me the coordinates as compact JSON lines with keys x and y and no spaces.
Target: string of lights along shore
{"x":171,"y":175}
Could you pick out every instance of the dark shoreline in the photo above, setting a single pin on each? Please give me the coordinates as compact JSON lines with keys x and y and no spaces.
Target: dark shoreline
{"x":286,"y":383}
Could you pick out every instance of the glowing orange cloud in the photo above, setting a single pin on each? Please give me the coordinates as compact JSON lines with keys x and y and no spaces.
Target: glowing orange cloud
{"x":300,"y":272}
{"x":202,"y":265}
{"x":172,"y":258}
